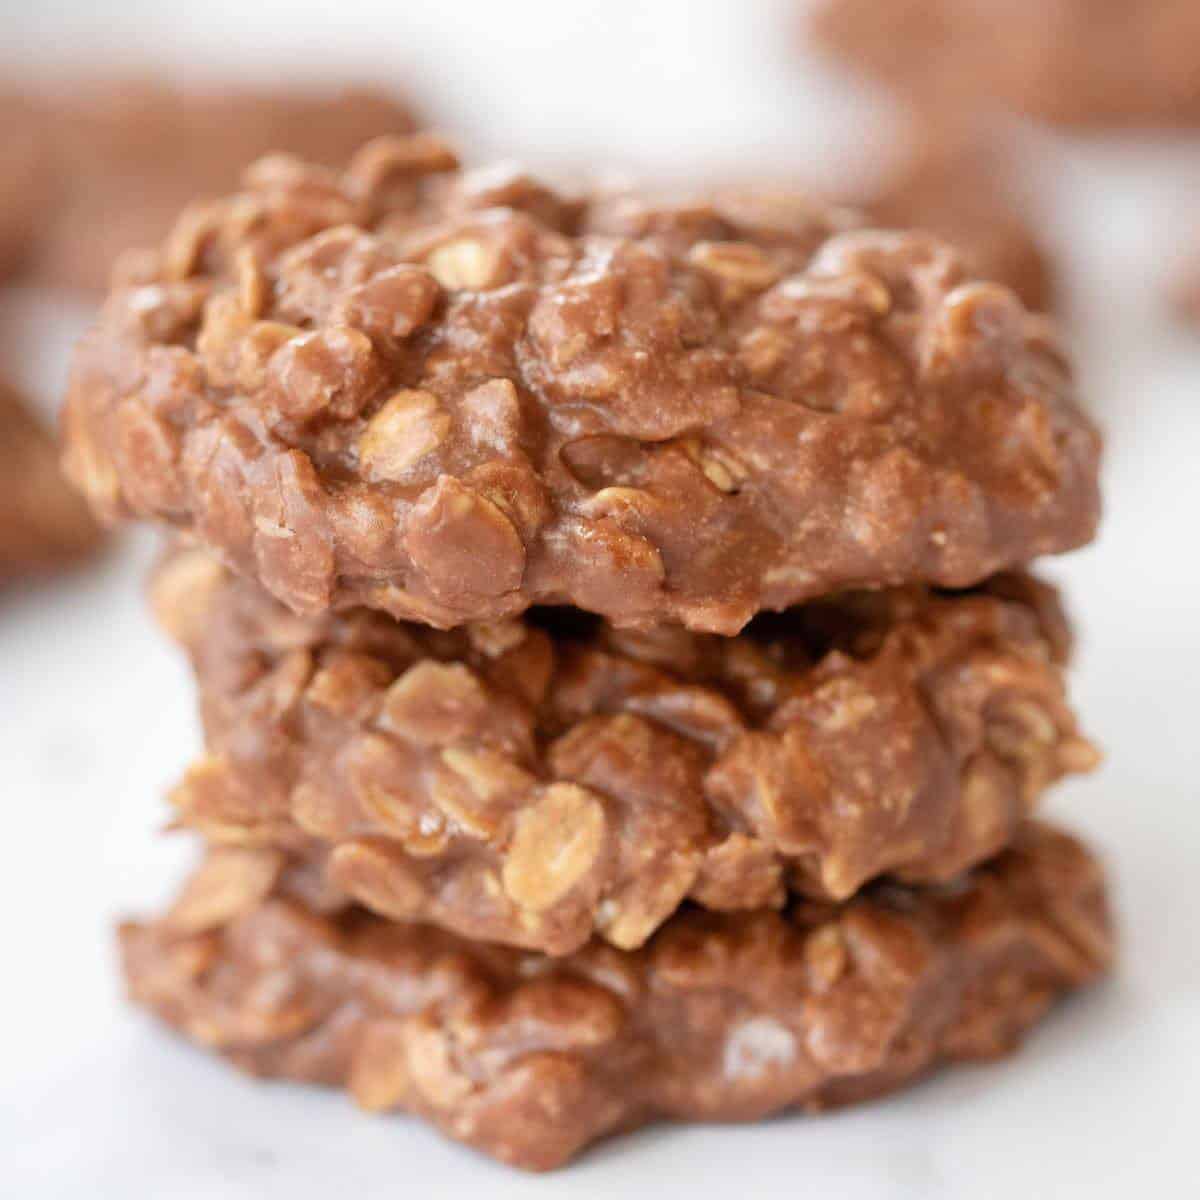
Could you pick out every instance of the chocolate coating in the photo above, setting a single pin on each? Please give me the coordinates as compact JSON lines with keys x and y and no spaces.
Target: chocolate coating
{"x":1078,"y":63}
{"x":718,"y":1018}
{"x":44,"y":522}
{"x":534,"y":781}
{"x":445,"y":396}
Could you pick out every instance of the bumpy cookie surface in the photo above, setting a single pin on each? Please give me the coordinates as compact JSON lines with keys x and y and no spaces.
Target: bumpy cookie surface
{"x":44,"y":522}
{"x":533,"y":781}
{"x":718,"y":1018}
{"x":452,"y":395}
{"x":1080,"y":63}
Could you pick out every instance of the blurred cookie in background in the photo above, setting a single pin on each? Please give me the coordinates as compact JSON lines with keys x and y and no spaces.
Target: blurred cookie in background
{"x":44,"y":523}
{"x":1082,"y":64}
{"x":1183,"y":288}
{"x":968,"y":191}
{"x":25,"y":179}
{"x":121,"y":155}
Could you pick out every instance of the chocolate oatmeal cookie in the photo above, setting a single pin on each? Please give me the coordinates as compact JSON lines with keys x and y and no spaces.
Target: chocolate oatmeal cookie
{"x":1078,"y":63}
{"x":535,"y":780}
{"x":451,"y":395}
{"x":718,"y":1018}
{"x":44,"y":522}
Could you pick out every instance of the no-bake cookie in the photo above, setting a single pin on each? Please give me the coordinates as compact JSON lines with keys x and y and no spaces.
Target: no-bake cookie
{"x":44,"y":522}
{"x":532,"y":781}
{"x":452,"y":395}
{"x":1078,"y":63}
{"x":718,"y":1018}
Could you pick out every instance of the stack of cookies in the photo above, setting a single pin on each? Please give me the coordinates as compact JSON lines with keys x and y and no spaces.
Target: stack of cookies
{"x":623,"y":695}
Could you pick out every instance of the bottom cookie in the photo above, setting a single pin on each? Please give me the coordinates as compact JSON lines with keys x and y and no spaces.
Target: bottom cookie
{"x":717,"y":1018}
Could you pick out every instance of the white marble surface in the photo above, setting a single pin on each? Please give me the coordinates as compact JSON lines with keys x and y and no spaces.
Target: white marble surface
{"x":96,"y":712}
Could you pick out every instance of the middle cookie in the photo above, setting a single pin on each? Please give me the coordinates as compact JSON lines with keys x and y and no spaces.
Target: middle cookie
{"x":536,"y":780}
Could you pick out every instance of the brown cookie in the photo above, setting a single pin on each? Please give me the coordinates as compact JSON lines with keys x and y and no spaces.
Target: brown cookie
{"x":1079,"y":63}
{"x":450,"y":396}
{"x":533,"y":781}
{"x":44,"y":522}
{"x":718,"y":1018}
{"x":126,"y":154}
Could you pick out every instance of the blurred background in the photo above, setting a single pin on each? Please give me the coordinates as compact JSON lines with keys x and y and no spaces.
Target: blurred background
{"x":96,"y":711}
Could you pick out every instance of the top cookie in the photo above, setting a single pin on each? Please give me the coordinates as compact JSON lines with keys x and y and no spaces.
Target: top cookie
{"x":1076,"y":63}
{"x":451,"y":395}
